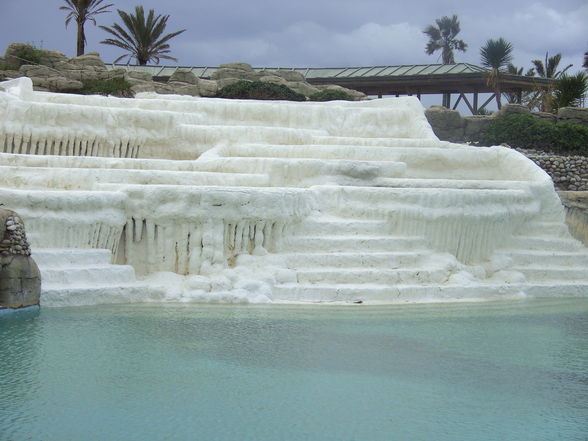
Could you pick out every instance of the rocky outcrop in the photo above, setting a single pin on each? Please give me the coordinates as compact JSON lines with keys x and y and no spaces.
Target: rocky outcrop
{"x":20,"y":280}
{"x":56,"y":73}
{"x":449,"y":125}
{"x":574,"y":115}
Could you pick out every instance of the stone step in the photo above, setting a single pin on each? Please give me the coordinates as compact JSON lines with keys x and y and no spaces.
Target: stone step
{"x":354,"y":243}
{"x":553,"y":273}
{"x":88,"y":178}
{"x":337,"y":225}
{"x":544,"y":243}
{"x":553,"y":229}
{"x":90,"y":274}
{"x":388,"y":260}
{"x":548,"y":258}
{"x":70,"y":257}
{"x":58,"y":295}
{"x":370,"y":276}
{"x":93,"y":162}
{"x":352,"y":293}
{"x":381,"y":202}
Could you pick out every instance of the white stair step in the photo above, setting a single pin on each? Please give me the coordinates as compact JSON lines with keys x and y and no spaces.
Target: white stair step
{"x":544,"y":243}
{"x":370,"y":276}
{"x":87,"y":178}
{"x":91,"y":274}
{"x":553,"y":229}
{"x":548,"y":258}
{"x":388,"y":260}
{"x":98,"y":294}
{"x":553,"y":273}
{"x":313,"y":293}
{"x":70,"y":257}
{"x":329,"y":225}
{"x":353,"y":243}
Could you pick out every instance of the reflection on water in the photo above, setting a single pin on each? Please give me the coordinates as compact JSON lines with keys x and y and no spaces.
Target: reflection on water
{"x":500,"y":370}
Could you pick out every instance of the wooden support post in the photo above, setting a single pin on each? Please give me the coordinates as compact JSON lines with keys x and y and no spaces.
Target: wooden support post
{"x":459,"y":98}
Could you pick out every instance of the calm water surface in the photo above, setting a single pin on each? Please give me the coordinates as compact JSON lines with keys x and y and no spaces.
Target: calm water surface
{"x":505,"y":371}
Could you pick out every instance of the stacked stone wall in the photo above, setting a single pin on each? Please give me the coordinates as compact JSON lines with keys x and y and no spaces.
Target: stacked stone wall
{"x":569,"y":173}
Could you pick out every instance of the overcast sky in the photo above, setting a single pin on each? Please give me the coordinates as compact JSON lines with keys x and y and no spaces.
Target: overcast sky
{"x":318,"y":33}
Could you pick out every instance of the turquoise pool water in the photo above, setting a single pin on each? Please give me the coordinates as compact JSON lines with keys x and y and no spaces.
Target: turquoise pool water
{"x":484,"y":371}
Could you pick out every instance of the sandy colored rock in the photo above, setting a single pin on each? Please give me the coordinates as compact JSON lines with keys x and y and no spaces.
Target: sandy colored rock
{"x":575,"y":115}
{"x":447,"y":124}
{"x":207,"y":87}
{"x":303,"y":88}
{"x":131,"y":76}
{"x":237,"y":66}
{"x":39,"y":71}
{"x":224,"y":82}
{"x":180,"y":88}
{"x":91,"y":59}
{"x":290,"y":75}
{"x":239,"y":74}
{"x":273,"y":79}
{"x":184,"y":76}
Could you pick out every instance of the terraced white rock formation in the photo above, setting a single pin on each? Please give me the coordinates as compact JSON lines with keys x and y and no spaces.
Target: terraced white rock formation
{"x":228,"y":200}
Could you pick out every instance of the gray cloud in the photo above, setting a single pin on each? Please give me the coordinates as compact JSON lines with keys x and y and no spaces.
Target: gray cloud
{"x":321,"y":33}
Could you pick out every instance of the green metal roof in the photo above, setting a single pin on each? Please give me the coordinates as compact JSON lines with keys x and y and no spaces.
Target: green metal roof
{"x":324,"y":72}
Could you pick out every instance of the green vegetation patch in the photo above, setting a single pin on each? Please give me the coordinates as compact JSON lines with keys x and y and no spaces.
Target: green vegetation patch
{"x":257,"y":90}
{"x":331,"y":95}
{"x":526,"y":131}
{"x":114,"y":86}
{"x":28,"y":54}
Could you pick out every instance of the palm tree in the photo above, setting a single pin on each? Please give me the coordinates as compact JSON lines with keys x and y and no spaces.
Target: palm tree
{"x":545,"y":97}
{"x":512,"y":97}
{"x":81,"y":11}
{"x":443,"y":37}
{"x":549,"y":68}
{"x":569,"y":90}
{"x":142,"y":38}
{"x":496,"y":55}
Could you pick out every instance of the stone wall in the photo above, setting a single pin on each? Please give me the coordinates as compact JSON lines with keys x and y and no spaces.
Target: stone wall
{"x":569,"y":173}
{"x":576,"y":204}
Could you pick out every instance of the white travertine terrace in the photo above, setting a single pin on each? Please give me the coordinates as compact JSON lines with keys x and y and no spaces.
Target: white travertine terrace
{"x":226,"y":200}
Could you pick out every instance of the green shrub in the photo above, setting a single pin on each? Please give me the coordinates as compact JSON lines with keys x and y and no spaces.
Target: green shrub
{"x":28,"y":54}
{"x":569,"y":91}
{"x":526,"y":131}
{"x":114,"y":86}
{"x":331,"y":95}
{"x":257,"y":90}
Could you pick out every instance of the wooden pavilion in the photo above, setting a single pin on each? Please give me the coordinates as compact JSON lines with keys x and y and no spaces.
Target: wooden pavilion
{"x":449,"y":80}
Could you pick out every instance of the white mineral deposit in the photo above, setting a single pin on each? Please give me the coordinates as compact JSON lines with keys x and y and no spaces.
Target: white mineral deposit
{"x":174,"y":198}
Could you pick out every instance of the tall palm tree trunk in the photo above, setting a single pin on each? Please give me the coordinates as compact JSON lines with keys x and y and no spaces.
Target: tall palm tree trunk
{"x":81,"y":39}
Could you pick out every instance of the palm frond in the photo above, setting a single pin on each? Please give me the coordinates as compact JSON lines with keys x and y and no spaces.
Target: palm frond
{"x":141,"y":36}
{"x":443,"y":37}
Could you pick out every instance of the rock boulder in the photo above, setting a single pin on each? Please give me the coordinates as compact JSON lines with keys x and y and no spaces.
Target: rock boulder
{"x":20,"y":279}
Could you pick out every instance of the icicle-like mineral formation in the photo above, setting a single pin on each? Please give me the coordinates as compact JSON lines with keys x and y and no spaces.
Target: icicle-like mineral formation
{"x":228,"y":200}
